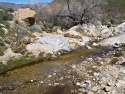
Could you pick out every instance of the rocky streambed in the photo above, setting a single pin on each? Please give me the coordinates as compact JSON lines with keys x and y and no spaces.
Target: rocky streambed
{"x":79,"y":72}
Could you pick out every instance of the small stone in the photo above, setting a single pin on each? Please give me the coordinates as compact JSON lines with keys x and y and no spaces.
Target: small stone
{"x":54,"y":74}
{"x":78,"y":83}
{"x":95,"y":74}
{"x":106,"y":89}
{"x":73,"y":66}
{"x":41,"y":82}
{"x":117,"y":85}
{"x":49,"y":76}
{"x":90,"y":92}
{"x":31,"y":80}
{"x":121,"y":82}
{"x":123,"y":71}
{"x":110,"y":84}
{"x":95,"y":44}
{"x":95,"y":88}
{"x":87,"y":84}
{"x":11,"y":87}
{"x":56,"y":83}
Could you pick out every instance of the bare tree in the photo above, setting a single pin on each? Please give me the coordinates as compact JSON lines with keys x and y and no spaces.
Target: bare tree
{"x":71,"y":12}
{"x":81,"y":11}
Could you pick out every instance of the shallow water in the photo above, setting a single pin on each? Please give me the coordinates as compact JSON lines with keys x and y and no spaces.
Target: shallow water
{"x":25,"y":80}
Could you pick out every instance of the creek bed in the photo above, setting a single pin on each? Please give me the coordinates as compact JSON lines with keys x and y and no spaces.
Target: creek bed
{"x":47,"y":77}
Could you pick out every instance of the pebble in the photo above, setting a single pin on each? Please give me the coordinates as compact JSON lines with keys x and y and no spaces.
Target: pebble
{"x":56,"y":83}
{"x":73,"y":66}
{"x":87,"y":84}
{"x":123,"y":71}
{"x":95,"y":88}
{"x":49,"y":76}
{"x":110,"y":84}
{"x":78,"y":83}
{"x":90,"y":92}
{"x":106,"y":89}
{"x":121,"y":82}
{"x":41,"y":82}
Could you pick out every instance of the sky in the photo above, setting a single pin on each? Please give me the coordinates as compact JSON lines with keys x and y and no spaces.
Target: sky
{"x":25,"y":1}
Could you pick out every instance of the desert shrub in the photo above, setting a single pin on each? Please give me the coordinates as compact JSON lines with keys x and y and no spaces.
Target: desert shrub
{"x":118,"y":54}
{"x":104,"y":21}
{"x":114,"y":60}
{"x":1,"y":32}
{"x":2,"y":50}
{"x":109,"y":25}
{"x":62,"y":25}
{"x":112,"y":21}
{"x":19,"y":48}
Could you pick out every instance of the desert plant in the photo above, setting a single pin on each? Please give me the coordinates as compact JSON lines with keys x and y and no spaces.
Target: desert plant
{"x":118,"y":54}
{"x":114,"y":60}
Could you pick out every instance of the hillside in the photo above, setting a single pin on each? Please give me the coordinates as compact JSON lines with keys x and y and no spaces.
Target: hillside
{"x":16,"y":6}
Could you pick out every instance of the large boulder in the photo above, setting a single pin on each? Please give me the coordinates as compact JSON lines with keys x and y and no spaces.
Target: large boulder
{"x":92,"y":29}
{"x":25,"y":14}
{"x":120,"y":29}
{"x":56,"y":42}
{"x":37,"y":48}
{"x":113,"y":40}
{"x":105,"y":33}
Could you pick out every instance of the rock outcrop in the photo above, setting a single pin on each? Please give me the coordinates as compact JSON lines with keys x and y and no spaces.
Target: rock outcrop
{"x":113,"y":40}
{"x":56,"y":42}
{"x":25,"y":14}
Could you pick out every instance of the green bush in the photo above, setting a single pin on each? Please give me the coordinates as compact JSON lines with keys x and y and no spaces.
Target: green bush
{"x":118,"y":54}
{"x":2,"y":49}
{"x":1,"y":32}
{"x":63,"y":26}
{"x":114,"y":60}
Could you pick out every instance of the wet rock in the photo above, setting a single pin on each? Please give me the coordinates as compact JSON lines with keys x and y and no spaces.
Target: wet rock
{"x":11,"y":87}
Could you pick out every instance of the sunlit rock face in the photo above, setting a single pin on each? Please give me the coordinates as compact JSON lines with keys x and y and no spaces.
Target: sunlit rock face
{"x":25,"y":14}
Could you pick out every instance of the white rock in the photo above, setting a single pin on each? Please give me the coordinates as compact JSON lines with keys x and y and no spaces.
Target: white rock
{"x":59,"y":31}
{"x":37,"y":48}
{"x":56,"y":42}
{"x":95,"y":44}
{"x":8,"y":54}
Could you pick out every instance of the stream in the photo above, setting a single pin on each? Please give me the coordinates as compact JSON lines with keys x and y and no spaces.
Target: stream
{"x":48,"y":77}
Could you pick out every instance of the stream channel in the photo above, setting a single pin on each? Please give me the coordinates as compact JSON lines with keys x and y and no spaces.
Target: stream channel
{"x":48,"y":77}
